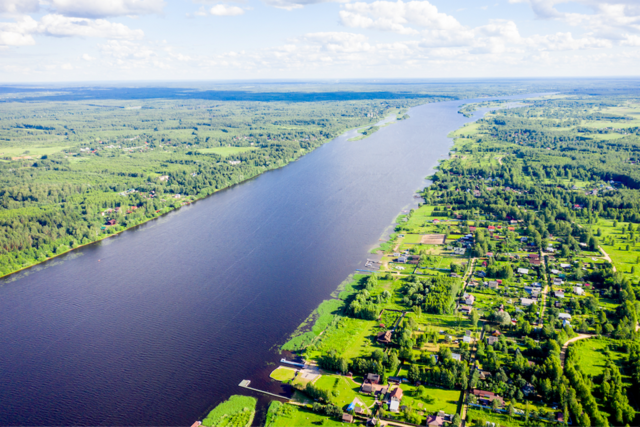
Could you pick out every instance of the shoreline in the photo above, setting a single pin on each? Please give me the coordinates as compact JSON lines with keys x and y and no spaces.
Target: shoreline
{"x":194,"y":200}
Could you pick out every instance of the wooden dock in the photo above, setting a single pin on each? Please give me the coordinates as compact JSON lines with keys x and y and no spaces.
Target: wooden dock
{"x":245,"y":384}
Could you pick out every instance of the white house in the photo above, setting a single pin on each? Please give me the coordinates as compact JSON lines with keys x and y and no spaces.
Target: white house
{"x":523,"y":271}
{"x":527,"y":301}
{"x":578,"y":290}
{"x":564,"y":316}
{"x":469,"y":299}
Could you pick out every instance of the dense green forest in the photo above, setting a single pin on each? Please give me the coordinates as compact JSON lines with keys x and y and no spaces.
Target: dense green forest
{"x":74,"y":172}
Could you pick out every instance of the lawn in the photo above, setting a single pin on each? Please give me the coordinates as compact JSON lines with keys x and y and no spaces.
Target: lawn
{"x":34,"y":152}
{"x":437,"y":399}
{"x":592,"y":355}
{"x":301,"y":416}
{"x":225,"y":151}
{"x":283,"y":374}
{"x":346,"y":388}
{"x":238,"y":411}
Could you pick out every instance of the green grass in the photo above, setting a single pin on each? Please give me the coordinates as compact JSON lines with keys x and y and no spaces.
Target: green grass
{"x":34,"y":152}
{"x":225,"y":151}
{"x":592,"y":355}
{"x":346,"y":388}
{"x":238,"y":411}
{"x":296,"y":416}
{"x":318,"y":321}
{"x":438,"y":399}
{"x":283,"y":374}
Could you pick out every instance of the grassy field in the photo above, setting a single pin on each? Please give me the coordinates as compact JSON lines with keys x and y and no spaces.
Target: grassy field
{"x":437,"y":399}
{"x":283,"y":374}
{"x":346,"y":389}
{"x":301,"y":416}
{"x":593,"y":355}
{"x":238,"y":411}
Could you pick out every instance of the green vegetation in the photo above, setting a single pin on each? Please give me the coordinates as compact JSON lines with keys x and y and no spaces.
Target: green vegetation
{"x":530,"y":234}
{"x":283,"y":374}
{"x":76,"y":172}
{"x":238,"y":411}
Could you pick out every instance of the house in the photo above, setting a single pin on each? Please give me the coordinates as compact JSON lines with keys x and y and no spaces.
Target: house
{"x":111,"y":222}
{"x":554,"y":271}
{"x":373,"y":378}
{"x":560,"y":417}
{"x":557,"y":281}
{"x":565,"y":265}
{"x":435,"y":421}
{"x":526,"y":302}
{"x":564,"y":316}
{"x":358,"y":410}
{"x":492,"y":340}
{"x":384,"y":337}
{"x":534,"y":292}
{"x":486,"y":397}
{"x":493,"y":284}
{"x":536,"y":262}
{"x":347,"y":418}
{"x":394,"y":406}
{"x":491,"y":227}
{"x":469,"y":299}
{"x":496,"y":333}
{"x":467,"y":339}
{"x":523,"y":271}
{"x":559,"y":294}
{"x":484,"y":375}
{"x":402,"y":259}
{"x":578,"y":290}
{"x":456,"y":356}
{"x":396,"y":394}
{"x":367,"y":388}
{"x":466,"y":309}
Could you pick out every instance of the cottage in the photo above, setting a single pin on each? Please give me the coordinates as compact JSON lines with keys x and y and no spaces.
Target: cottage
{"x":564,"y":316}
{"x":559,"y":294}
{"x":565,"y":265}
{"x":367,"y":387}
{"x":396,"y":394}
{"x":493,"y":284}
{"x":456,"y":356}
{"x":467,"y":339}
{"x":373,"y":378}
{"x":528,"y":390}
{"x":526,"y":302}
{"x":394,"y":406}
{"x":469,"y":299}
{"x":384,"y":337}
{"x":523,"y":271}
{"x":486,"y":397}
{"x":465,"y":309}
{"x":111,"y":222}
{"x":347,"y":418}
{"x":554,"y":271}
{"x":435,"y":421}
{"x":578,"y":290}
{"x":402,"y":259}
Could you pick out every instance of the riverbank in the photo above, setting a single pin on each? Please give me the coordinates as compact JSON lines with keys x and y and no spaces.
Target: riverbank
{"x":187,"y":200}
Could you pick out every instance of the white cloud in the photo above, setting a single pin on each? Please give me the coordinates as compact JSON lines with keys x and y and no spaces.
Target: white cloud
{"x":88,"y":57}
{"x":19,"y":6}
{"x":62,"y":26}
{"x":298,"y":4}
{"x":397,"y":16}
{"x":225,"y":10}
{"x":18,"y":33}
{"x":105,"y":8}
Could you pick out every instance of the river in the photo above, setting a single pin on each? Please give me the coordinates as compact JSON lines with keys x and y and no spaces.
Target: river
{"x":158,"y":324}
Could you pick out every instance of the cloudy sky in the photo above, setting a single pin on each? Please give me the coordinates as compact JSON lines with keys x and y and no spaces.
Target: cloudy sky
{"x":80,"y":40}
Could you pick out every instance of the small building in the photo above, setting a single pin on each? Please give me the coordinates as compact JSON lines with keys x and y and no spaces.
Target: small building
{"x":560,"y":417}
{"x":565,"y":265}
{"x":466,"y":309}
{"x":526,"y":302}
{"x":528,"y":390}
{"x":566,"y":316}
{"x":559,"y":294}
{"x":456,"y":356}
{"x":347,"y":418}
{"x":396,"y":394}
{"x":493,"y":284}
{"x":384,"y":337}
{"x":554,"y":271}
{"x":578,"y":290}
{"x":111,"y":222}
{"x":402,"y":259}
{"x":496,"y":333}
{"x":394,"y":406}
{"x":373,"y":378}
{"x":487,"y":397}
{"x":435,"y":421}
{"x":523,"y":271}
{"x":467,"y":339}
{"x":469,"y":299}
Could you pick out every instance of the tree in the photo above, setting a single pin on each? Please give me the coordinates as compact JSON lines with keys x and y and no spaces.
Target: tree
{"x":495,"y":405}
{"x":456,"y":420}
{"x":511,"y":410}
{"x":474,"y":318}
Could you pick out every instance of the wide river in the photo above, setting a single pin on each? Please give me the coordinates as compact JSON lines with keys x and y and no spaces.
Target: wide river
{"x":157,"y":325}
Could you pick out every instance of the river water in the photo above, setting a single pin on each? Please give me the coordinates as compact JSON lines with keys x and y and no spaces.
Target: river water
{"x":157,"y":325}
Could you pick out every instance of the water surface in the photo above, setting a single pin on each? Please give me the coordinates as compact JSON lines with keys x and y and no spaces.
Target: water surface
{"x":158,"y":324}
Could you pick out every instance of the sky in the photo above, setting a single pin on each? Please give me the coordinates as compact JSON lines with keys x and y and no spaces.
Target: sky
{"x":128,"y":40}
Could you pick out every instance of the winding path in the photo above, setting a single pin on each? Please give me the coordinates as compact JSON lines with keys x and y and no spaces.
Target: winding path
{"x":563,"y":353}
{"x":607,"y":257}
